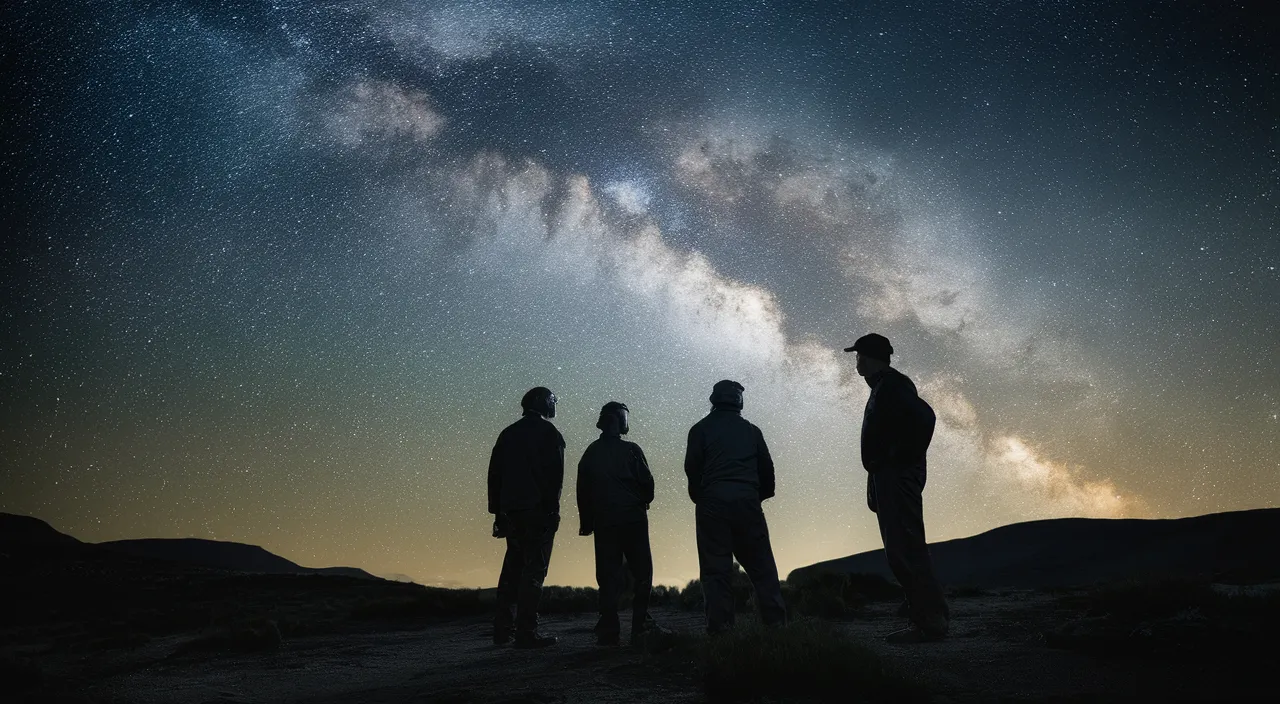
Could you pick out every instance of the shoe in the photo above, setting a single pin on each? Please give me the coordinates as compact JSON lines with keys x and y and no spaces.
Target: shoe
{"x":534,"y":639}
{"x":608,"y":639}
{"x":501,"y":637}
{"x":904,"y":609}
{"x":912,"y":635}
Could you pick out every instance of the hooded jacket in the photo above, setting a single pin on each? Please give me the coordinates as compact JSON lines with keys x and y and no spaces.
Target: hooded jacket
{"x":526,"y":468}
{"x":615,"y":485}
{"x":727,"y":458}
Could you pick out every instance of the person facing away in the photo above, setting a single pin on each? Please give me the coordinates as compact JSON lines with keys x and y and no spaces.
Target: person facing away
{"x":897,"y":426}
{"x":526,"y":473}
{"x":615,"y":488}
{"x":730,"y":472}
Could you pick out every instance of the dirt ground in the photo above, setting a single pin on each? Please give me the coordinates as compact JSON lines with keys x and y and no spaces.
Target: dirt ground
{"x":996,"y":652}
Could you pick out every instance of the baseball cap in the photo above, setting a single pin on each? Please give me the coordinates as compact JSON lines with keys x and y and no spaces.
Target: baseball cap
{"x":872,"y":345}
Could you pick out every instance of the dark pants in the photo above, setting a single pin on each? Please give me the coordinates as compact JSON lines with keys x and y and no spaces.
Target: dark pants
{"x":729,"y":529}
{"x":530,"y":535}
{"x":896,"y":495}
{"x":613,"y":543}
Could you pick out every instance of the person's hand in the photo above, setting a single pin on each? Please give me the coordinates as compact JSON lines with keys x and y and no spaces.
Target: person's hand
{"x":584,"y":531}
{"x":499,"y":527}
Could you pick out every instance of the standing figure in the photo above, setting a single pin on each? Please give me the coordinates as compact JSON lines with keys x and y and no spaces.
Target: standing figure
{"x":730,"y":472}
{"x":526,"y":473}
{"x":896,"y":429}
{"x":615,"y":489}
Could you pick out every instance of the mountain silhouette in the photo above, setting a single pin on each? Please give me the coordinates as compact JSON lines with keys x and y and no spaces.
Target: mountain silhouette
{"x":29,"y":536}
{"x":223,"y":555}
{"x":26,"y":530}
{"x":1065,"y":552}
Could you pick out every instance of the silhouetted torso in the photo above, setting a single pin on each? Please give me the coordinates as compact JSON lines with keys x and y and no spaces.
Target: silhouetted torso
{"x":727,"y":458}
{"x":615,"y":485}
{"x":891,"y":427}
{"x":526,"y":469}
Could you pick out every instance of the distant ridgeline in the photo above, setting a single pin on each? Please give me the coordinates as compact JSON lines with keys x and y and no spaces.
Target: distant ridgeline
{"x":27,"y":534}
{"x":1234,"y":547}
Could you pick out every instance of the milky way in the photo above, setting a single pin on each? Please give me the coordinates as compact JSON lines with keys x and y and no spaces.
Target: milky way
{"x":280,"y":272}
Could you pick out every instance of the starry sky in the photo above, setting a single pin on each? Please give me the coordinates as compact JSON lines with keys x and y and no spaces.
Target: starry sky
{"x":279,"y":272}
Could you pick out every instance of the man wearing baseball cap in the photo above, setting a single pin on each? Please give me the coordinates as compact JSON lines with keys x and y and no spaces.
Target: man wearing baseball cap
{"x":897,"y":426}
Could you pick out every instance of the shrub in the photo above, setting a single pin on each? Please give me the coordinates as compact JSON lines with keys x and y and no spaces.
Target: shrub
{"x":569,"y":600}
{"x":1169,"y":618}
{"x":691,"y":598}
{"x":836,"y":595}
{"x":805,"y":659}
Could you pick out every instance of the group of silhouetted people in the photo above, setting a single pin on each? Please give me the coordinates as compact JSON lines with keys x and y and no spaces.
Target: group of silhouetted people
{"x":730,"y":473}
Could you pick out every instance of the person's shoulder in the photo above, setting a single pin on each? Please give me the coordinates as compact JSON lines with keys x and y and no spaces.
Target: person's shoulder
{"x":898,"y":379}
{"x":592,"y":448}
{"x":553,"y":431}
{"x":634,"y":447}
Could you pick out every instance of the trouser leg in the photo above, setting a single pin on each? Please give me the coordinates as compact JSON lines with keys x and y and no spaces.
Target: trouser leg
{"x":537,"y":535}
{"x":508,"y":588}
{"x":715,"y":563}
{"x":755,"y":553}
{"x":901,"y":519}
{"x":608,"y":548}
{"x":640,"y":562}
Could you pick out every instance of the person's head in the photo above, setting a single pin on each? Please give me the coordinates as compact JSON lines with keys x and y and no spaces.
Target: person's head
{"x":539,"y":400}
{"x":873,"y":353}
{"x":727,"y":395}
{"x":614,"y":418}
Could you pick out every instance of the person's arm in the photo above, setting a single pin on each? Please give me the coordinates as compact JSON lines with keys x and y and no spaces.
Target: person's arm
{"x":896,"y":421}
{"x":644,"y":477}
{"x":586,"y":518}
{"x":556,"y":470}
{"x":693,"y":459}
{"x":495,"y":478}
{"x":764,"y":465}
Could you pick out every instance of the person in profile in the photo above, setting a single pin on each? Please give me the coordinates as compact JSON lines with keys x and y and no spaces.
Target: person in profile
{"x":897,"y":426}
{"x":730,"y":473}
{"x":615,"y":488}
{"x":526,"y":473}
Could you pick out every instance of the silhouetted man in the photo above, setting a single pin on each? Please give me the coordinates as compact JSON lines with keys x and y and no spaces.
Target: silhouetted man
{"x":615,"y":489}
{"x":896,"y":429}
{"x":730,"y":472}
{"x":526,"y":472}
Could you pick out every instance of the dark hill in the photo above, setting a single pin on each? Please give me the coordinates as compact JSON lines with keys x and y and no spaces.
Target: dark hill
{"x":223,"y":555}
{"x":26,"y":530}
{"x":1234,"y":546}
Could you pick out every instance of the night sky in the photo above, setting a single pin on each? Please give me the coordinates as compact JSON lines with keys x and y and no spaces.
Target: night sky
{"x":279,"y":272}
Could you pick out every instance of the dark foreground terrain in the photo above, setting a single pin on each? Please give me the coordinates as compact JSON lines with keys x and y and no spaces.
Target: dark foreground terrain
{"x":1023,"y":646}
{"x":81,"y":623}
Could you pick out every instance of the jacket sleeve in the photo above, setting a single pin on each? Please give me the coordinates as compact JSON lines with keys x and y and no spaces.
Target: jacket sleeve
{"x":644,"y":477}
{"x":495,"y":478}
{"x":693,"y":461}
{"x":764,"y":465}
{"x":586,"y":517}
{"x":555,"y":470}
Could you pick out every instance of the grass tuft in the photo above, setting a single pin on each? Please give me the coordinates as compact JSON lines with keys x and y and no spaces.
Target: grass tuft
{"x":808,"y":658}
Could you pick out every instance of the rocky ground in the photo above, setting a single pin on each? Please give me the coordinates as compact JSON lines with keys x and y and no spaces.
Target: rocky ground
{"x":1002,"y":648}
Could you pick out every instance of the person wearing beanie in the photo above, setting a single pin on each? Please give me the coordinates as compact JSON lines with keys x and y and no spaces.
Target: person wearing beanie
{"x":897,"y":426}
{"x":615,"y":488}
{"x":730,"y":473}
